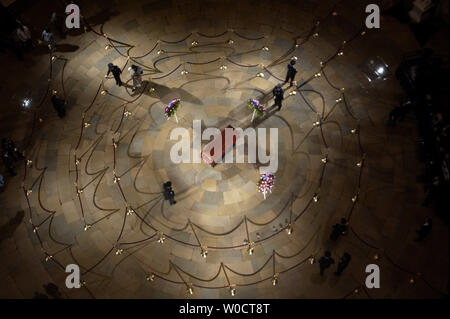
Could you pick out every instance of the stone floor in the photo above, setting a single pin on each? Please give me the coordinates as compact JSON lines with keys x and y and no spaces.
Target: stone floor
{"x":76,"y":210}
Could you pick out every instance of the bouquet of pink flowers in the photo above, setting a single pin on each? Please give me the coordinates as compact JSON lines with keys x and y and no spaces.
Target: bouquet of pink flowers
{"x":171,"y":109}
{"x":266,"y":184}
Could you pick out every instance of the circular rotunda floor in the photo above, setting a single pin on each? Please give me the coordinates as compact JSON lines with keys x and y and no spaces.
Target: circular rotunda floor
{"x":93,"y":194}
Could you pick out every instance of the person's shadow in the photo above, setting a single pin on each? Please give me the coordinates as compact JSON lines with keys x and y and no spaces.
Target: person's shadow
{"x":52,"y":290}
{"x":66,"y":47}
{"x":162,"y":92}
{"x":38,"y":295}
{"x":8,"y":229}
{"x":42,"y":48}
{"x":95,"y":20}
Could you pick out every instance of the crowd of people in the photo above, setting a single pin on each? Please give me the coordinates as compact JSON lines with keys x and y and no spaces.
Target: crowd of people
{"x":136,"y":73}
{"x":19,"y":38}
{"x":423,"y":76}
{"x":434,"y":151}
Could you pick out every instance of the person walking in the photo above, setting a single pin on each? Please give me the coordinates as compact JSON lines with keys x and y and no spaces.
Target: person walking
{"x":278,"y":93}
{"x":291,"y":72}
{"x":343,"y":263}
{"x":48,"y":38}
{"x":59,"y":104}
{"x":338,"y":229}
{"x":424,"y":230}
{"x":325,"y":262}
{"x":136,"y":75}
{"x":116,"y":71}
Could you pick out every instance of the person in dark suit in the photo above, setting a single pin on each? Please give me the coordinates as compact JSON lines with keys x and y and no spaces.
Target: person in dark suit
{"x":278,"y":93}
{"x":291,"y":72}
{"x":343,"y":263}
{"x":338,"y":229}
{"x":116,"y":71}
{"x":2,"y":183}
{"x":12,"y":150}
{"x":325,"y":262}
{"x":52,"y":290}
{"x":424,"y":230}
{"x":167,"y":187}
{"x":172,"y":197}
{"x":59,"y":105}
{"x":8,"y":163}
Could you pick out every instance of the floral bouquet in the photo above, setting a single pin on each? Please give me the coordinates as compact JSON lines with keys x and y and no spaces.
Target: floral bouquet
{"x":266,"y":184}
{"x":171,"y":109}
{"x":256,"y":107}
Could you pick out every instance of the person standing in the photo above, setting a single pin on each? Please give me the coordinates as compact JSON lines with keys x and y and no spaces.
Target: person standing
{"x":15,"y":45}
{"x":48,"y":38}
{"x":17,"y":153}
{"x":338,"y":229}
{"x":136,"y":75}
{"x":291,"y":72}
{"x":278,"y":93}
{"x":59,"y":104}
{"x":57,"y":23}
{"x":116,"y":71}
{"x":424,"y":230}
{"x":172,"y":197}
{"x":11,"y":149}
{"x":23,"y":34}
{"x":325,"y":262}
{"x":52,"y":290}
{"x":8,"y":163}
{"x":343,"y":263}
{"x":167,"y":188}
{"x":2,"y":183}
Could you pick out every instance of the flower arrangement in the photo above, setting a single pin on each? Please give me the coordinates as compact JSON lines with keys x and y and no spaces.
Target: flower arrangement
{"x":266,"y":184}
{"x":171,"y":109}
{"x":256,"y":107}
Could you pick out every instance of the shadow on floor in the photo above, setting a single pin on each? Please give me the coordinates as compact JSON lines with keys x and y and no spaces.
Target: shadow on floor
{"x":96,"y":20}
{"x":10,"y":227}
{"x":164,"y":93}
{"x":65,"y":47}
